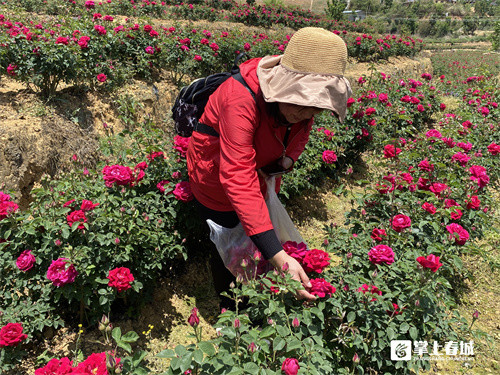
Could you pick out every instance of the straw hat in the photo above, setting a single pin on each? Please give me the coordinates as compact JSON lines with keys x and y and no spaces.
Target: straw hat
{"x":310,"y":72}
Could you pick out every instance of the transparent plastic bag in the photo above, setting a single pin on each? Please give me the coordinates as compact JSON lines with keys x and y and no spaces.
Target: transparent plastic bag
{"x":237,"y":249}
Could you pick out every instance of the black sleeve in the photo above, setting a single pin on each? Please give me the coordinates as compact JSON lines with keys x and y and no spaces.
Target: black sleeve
{"x":267,"y":242}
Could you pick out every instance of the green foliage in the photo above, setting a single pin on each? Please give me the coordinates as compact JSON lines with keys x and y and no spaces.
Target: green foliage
{"x":495,"y":37}
{"x":334,"y":9}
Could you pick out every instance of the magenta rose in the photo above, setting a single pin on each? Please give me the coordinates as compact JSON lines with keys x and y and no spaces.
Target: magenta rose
{"x":117,"y":174}
{"x":56,"y":366}
{"x":377,"y":234}
{"x":400,"y":222}
{"x":458,"y":233}
{"x":315,"y":260}
{"x":425,"y":166}
{"x":154,"y":155}
{"x":183,"y":191}
{"x":120,"y":278}
{"x":329,"y":157}
{"x":461,"y":158}
{"x":429,"y":207}
{"x":437,"y":188}
{"x":69,"y":203}
{"x":478,"y":174}
{"x":295,"y":250}
{"x":25,"y":261}
{"x":456,"y":214}
{"x":290,"y":366}
{"x":101,"y":77}
{"x":381,"y":254}
{"x":396,"y":310}
{"x":77,"y":216}
{"x":321,"y":287}
{"x":61,"y":272}
{"x":433,"y":133}
{"x":430,"y":261}
{"x":193,"y":319}
{"x":12,"y":335}
{"x":161,"y":185}
{"x":181,"y":144}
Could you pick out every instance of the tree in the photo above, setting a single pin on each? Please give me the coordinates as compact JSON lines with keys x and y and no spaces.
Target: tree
{"x":334,"y":9}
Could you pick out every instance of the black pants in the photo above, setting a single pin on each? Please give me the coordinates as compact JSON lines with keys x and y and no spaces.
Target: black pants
{"x":221,"y":276}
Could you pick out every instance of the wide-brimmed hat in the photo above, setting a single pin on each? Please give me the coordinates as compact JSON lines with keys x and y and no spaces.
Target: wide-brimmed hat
{"x":310,"y":73}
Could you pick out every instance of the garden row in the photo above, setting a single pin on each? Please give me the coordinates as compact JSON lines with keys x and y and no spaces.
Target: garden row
{"x":94,"y":238}
{"x":97,"y":50}
{"x":209,"y":10}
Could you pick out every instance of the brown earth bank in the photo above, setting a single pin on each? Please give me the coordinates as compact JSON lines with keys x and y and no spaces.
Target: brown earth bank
{"x":38,"y":136}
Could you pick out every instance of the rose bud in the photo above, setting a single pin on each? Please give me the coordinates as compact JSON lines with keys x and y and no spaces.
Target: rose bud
{"x":285,"y":267}
{"x":244,"y":263}
{"x":475,"y":314}
{"x":295,"y":323}
{"x":237,"y":323}
{"x":355,"y":358}
{"x":252,"y":347}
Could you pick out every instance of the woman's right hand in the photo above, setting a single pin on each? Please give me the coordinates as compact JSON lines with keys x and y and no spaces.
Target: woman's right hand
{"x":297,"y":272}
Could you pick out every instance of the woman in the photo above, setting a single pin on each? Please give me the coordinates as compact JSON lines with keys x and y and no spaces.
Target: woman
{"x":261,"y":124}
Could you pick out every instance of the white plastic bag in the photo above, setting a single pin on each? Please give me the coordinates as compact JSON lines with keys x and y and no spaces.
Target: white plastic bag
{"x":237,"y":249}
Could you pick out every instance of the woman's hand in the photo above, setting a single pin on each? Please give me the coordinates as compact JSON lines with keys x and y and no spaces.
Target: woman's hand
{"x":297,"y":272}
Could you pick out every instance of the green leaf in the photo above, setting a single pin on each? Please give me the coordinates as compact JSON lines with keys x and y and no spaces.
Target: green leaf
{"x":413,"y":333}
{"x":404,"y":327}
{"x":390,"y":333}
{"x":266,"y":332}
{"x":351,"y":316}
{"x":125,"y":346}
{"x":116,"y":333}
{"x":207,"y":348}
{"x":180,"y":350}
{"x":167,"y":353}
{"x":250,"y":367}
{"x":278,"y":343}
{"x":130,"y":337}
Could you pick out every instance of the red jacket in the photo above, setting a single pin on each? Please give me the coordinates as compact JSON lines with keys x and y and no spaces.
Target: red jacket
{"x":223,"y":170}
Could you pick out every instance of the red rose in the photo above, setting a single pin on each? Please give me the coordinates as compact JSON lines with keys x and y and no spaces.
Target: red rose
{"x":12,"y":335}
{"x":95,"y":364}
{"x":431,"y":262}
{"x":396,"y":310}
{"x":154,"y":155}
{"x":425,"y":166}
{"x":474,"y":203}
{"x":458,"y":233}
{"x":391,"y":152}
{"x":297,"y":251}
{"x":183,"y":191}
{"x":321,"y":287}
{"x":456,"y":214}
{"x":56,"y":366}
{"x":120,"y":278}
{"x":329,"y":157}
{"x":76,"y":216}
{"x":69,"y":203}
{"x":101,"y":77}
{"x":493,"y":148}
{"x":370,"y":289}
{"x":437,"y":188}
{"x":315,"y":260}
{"x":88,"y":205}
{"x":25,"y":261}
{"x":117,"y":174}
{"x":429,"y":207}
{"x":381,"y":254}
{"x":6,"y":208}
{"x":181,"y":144}
{"x":400,"y":222}
{"x":377,"y":234}
{"x":290,"y":366}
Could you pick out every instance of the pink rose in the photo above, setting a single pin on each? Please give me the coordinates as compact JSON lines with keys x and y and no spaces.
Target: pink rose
{"x":193,"y":319}
{"x":117,"y":174}
{"x":430,"y":261}
{"x":329,"y":157}
{"x":25,"y":261}
{"x":12,"y":335}
{"x":183,"y":191}
{"x":316,"y":260}
{"x":290,"y":366}
{"x":69,"y":203}
{"x":77,"y":216}
{"x":61,"y":272}
{"x":56,"y":366}
{"x":154,"y":155}
{"x":433,"y":133}
{"x":400,"y":222}
{"x":6,"y":208}
{"x":181,"y":144}
{"x":120,"y":278}
{"x":429,"y":207}
{"x":458,"y":233}
{"x":297,"y":251}
{"x":94,"y":364}
{"x":391,"y":152}
{"x":478,"y":174}
{"x":456,"y":214}
{"x":461,"y":158}
{"x":377,"y":234}
{"x":11,"y":70}
{"x":437,"y":188}
{"x":381,"y":254}
{"x":321,"y":287}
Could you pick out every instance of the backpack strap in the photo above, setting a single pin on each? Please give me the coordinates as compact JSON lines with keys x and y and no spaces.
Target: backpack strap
{"x":205,"y":129}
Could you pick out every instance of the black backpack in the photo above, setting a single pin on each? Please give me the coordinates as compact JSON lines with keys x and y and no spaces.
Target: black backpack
{"x":192,"y":99}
